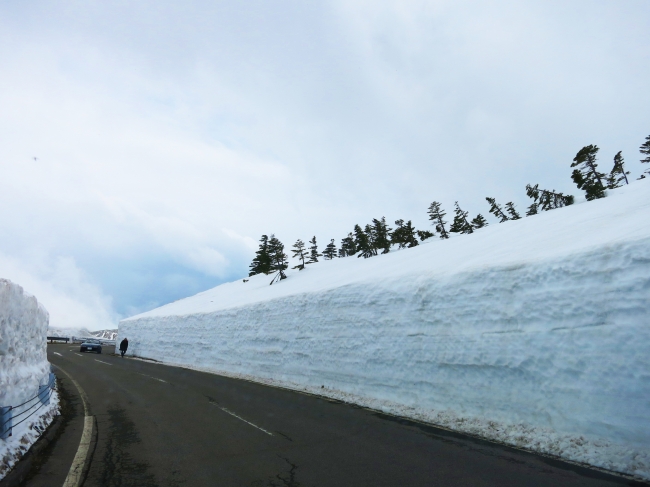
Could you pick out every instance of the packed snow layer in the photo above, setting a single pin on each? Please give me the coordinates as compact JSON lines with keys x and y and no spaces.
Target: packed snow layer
{"x":23,"y":368}
{"x":532,"y":332}
{"x":105,"y":334}
{"x":23,"y":346}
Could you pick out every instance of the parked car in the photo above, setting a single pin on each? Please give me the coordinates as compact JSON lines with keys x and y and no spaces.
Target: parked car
{"x":91,"y":345}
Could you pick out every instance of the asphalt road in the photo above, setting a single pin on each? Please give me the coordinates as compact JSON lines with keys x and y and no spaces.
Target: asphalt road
{"x":168,"y":426}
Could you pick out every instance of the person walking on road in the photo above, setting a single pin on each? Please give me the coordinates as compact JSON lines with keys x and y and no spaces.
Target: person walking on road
{"x":124,"y":345}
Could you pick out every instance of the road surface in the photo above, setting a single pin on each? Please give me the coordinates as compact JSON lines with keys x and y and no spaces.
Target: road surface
{"x":168,"y":426}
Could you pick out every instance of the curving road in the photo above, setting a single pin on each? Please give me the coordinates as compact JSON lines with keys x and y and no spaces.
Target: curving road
{"x":168,"y":426}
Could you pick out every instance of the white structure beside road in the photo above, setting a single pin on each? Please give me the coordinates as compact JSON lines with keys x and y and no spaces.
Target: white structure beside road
{"x":26,"y":400}
{"x":533,"y":332}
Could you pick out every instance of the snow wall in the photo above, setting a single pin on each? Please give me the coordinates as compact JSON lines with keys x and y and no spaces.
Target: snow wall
{"x":23,"y":344}
{"x":23,"y":368}
{"x":535,"y":333}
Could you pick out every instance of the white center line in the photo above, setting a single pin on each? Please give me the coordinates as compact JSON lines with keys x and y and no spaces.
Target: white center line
{"x":57,"y":353}
{"x":154,"y":378}
{"x":240,"y":418}
{"x":102,"y":362}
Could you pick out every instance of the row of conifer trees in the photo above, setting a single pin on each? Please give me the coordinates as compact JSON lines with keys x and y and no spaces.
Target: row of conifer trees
{"x":378,"y":237}
{"x":593,"y":182}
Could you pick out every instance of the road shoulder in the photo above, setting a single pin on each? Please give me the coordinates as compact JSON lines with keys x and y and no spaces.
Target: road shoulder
{"x":51,"y":464}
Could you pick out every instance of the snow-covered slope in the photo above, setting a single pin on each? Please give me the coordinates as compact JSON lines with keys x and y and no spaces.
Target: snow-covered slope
{"x":533,"y":332}
{"x":69,"y":332}
{"x":82,"y":333}
{"x":23,"y":368}
{"x":105,"y":334}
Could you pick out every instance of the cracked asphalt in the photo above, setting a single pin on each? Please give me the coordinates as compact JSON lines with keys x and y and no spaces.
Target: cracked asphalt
{"x":169,"y":426}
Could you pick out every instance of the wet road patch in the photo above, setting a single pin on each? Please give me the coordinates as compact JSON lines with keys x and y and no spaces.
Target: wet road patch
{"x":119,"y":467}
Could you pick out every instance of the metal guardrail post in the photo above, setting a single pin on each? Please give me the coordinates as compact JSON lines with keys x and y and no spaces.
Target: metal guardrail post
{"x":44,"y":394}
{"x":5,"y":422}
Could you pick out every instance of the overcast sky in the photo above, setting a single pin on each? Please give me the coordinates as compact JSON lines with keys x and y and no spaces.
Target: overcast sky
{"x":146,"y":146}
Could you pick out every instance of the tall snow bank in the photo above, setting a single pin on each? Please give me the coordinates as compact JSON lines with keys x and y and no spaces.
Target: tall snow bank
{"x":23,"y":368}
{"x":533,"y":332}
{"x":23,"y":346}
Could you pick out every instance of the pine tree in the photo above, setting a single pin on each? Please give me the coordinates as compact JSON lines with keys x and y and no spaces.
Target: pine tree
{"x":381,"y":235}
{"x":436,"y":215}
{"x":409,"y":234}
{"x":313,"y":251}
{"x":563,"y":200}
{"x":424,"y":234}
{"x":618,"y":174}
{"x":587,"y":176}
{"x":330,"y":250}
{"x":645,"y":149}
{"x":369,"y":230}
{"x":299,"y":252}
{"x":460,"y":224}
{"x":279,"y":261}
{"x":545,"y":200}
{"x":479,"y":222}
{"x":496,"y":210}
{"x":262,"y":260}
{"x":397,"y":237}
{"x":404,"y":235}
{"x":362,"y":242}
{"x":532,"y":192}
{"x":510,"y":206}
{"x":532,"y":209}
{"x":348,"y":247}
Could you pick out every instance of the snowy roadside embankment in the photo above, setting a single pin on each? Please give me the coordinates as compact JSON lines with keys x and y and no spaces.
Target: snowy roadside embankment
{"x":533,"y":332}
{"x":70,"y":332}
{"x":23,"y":369}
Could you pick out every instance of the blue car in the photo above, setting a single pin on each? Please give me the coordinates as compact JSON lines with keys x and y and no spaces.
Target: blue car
{"x":91,"y":346}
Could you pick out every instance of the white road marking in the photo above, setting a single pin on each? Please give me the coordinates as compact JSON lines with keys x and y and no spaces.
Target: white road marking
{"x":78,"y":354}
{"x":240,"y":418}
{"x":154,"y":378}
{"x":57,"y":353}
{"x":75,"y":474}
{"x":102,"y":362}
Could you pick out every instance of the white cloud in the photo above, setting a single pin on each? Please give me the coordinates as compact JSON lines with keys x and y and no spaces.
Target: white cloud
{"x":207,"y":260}
{"x":70,"y":298}
{"x":170,"y":138}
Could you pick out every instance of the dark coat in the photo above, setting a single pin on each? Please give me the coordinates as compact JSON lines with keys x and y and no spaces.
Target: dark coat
{"x":124,"y":345}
